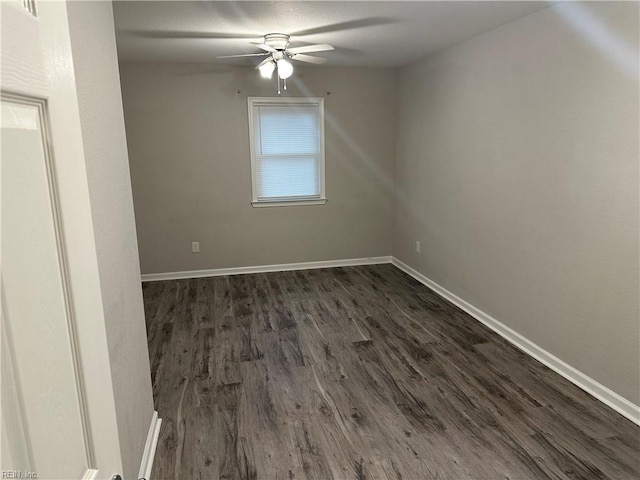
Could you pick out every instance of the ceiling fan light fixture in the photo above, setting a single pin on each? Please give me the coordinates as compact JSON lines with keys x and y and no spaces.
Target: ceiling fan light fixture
{"x":266,"y":70}
{"x":285,"y":69}
{"x":277,"y":56}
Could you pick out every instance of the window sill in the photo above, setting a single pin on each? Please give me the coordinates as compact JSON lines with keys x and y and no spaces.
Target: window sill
{"x":289,"y":203}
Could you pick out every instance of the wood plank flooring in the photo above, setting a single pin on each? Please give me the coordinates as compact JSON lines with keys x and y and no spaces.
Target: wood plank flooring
{"x":360,"y":373}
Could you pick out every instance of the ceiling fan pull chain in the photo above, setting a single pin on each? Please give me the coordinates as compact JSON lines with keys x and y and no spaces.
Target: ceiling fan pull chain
{"x":278,"y":84}
{"x":285,"y":83}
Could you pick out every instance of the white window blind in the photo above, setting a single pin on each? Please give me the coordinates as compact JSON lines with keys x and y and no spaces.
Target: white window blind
{"x":287,"y":149}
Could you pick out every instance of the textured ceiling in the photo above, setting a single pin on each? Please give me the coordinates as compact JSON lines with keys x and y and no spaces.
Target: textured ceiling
{"x":376,"y":34}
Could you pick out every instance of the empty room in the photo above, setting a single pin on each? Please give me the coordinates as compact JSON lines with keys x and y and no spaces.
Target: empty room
{"x":320,"y":240}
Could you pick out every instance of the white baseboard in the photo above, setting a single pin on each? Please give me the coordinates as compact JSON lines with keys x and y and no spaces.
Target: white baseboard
{"x":90,"y":474}
{"x":150,"y":448}
{"x":605,"y":395}
{"x":217,"y":272}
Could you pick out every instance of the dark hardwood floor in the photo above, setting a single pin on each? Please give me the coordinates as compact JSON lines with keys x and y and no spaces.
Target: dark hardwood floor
{"x":360,"y":373}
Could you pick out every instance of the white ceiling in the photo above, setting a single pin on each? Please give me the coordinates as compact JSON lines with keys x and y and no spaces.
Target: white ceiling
{"x":365,"y":33}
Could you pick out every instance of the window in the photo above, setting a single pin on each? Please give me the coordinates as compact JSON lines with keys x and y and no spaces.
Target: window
{"x":287,"y":151}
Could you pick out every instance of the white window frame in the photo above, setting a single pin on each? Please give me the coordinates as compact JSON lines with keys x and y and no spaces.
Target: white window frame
{"x":319,"y":101}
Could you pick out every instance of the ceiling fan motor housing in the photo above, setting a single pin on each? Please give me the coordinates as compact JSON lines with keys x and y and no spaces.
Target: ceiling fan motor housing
{"x":279,"y":41}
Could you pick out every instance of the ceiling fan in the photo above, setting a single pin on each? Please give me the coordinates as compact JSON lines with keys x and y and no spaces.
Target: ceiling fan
{"x":275,"y":46}
{"x":279,"y":55}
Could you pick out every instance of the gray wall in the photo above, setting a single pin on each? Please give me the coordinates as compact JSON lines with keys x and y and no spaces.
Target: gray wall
{"x":517,"y":170}
{"x":188,"y":144}
{"x":96,"y":70}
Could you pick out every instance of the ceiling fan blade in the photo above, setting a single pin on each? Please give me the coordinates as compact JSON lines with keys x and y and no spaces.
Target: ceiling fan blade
{"x":308,"y":58}
{"x":311,"y":48}
{"x":349,"y":25}
{"x":266,"y":60}
{"x":244,"y":55}
{"x":185,"y":34}
{"x":264,"y":46}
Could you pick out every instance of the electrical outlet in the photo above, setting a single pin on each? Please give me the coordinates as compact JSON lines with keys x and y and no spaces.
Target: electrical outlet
{"x":417,"y":247}
{"x":195,"y":247}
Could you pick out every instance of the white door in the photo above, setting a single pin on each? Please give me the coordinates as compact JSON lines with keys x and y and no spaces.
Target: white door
{"x":58,"y":414}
